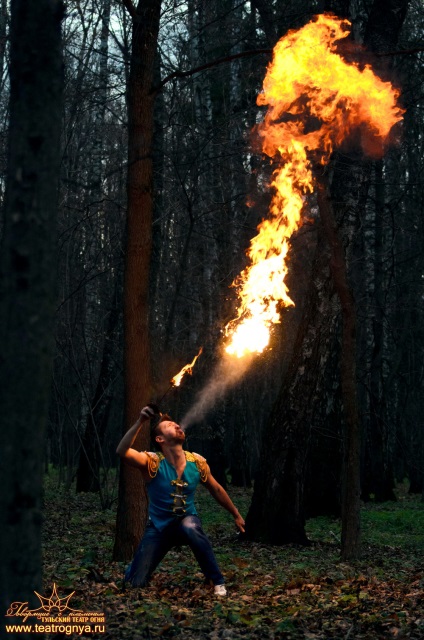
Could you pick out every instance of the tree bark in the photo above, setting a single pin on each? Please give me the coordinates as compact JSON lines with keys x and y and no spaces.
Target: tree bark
{"x":351,"y":455}
{"x":132,"y":501}
{"x":28,"y":288}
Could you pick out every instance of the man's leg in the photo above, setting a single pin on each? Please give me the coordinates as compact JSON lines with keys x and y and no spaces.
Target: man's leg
{"x":152,"y":549}
{"x":190,"y":532}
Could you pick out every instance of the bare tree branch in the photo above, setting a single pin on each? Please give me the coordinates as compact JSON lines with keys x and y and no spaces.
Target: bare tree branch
{"x":401,"y":52}
{"x":207,"y":65}
{"x":244,"y":54}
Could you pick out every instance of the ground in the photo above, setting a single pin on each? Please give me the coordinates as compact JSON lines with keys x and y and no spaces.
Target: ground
{"x":285,"y":592}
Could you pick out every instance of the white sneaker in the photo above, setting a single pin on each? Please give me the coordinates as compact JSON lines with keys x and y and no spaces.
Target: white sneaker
{"x":220,"y":590}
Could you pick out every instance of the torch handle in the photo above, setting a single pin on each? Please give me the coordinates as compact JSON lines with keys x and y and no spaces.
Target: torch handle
{"x":171,"y":386}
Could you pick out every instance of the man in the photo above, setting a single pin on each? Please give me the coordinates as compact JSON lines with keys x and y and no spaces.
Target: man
{"x":172,"y":477}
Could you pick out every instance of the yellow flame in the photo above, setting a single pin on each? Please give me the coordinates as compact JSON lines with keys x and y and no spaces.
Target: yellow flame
{"x":176,"y":380}
{"x":306,"y":82}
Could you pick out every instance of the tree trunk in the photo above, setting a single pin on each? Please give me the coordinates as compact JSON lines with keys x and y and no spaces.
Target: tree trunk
{"x":93,"y":408}
{"x":267,"y":19}
{"x":132,"y":501}
{"x":351,"y":455}
{"x":378,"y":478}
{"x":28,"y":288}
{"x":3,"y":40}
{"x":91,"y":455}
{"x":381,"y":36}
{"x":276,"y":515}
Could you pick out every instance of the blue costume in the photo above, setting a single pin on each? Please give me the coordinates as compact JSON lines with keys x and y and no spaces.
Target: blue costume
{"x":173,"y":519}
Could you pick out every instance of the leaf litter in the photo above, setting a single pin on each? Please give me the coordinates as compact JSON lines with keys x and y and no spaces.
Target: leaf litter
{"x":289,"y":592}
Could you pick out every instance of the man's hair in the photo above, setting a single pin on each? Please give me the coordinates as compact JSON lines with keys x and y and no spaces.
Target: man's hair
{"x":155,"y":429}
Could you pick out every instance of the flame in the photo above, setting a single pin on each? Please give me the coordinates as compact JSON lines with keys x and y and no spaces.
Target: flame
{"x":176,"y":380}
{"x":308,"y":84}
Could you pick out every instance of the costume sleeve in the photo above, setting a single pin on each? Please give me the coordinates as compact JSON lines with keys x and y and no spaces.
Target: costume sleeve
{"x":202,"y":467}
{"x":153,"y":462}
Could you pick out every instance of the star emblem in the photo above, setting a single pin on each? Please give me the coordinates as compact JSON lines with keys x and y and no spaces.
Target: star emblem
{"x":54,"y":602}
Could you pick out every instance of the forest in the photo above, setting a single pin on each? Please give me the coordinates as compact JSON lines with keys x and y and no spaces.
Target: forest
{"x":235,"y":187}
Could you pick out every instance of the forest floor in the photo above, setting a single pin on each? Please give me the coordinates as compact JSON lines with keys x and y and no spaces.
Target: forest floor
{"x":288,"y":592}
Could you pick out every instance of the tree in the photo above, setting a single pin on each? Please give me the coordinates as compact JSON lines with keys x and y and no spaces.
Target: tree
{"x":132,"y":506}
{"x":277,"y":514}
{"x":350,"y":498}
{"x":381,"y":37}
{"x":286,"y":469}
{"x":90,"y":462}
{"x":28,"y":286}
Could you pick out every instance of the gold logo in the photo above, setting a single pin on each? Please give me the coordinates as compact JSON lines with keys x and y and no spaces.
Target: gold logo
{"x":51,"y":607}
{"x":56,"y":610}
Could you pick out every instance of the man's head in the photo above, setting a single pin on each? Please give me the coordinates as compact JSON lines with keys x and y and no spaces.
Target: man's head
{"x":167,"y":432}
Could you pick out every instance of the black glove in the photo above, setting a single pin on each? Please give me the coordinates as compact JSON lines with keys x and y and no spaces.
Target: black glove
{"x":155,"y":408}
{"x":149,"y":411}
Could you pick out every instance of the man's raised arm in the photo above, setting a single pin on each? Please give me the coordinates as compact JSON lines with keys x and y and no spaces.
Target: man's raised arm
{"x":124,"y":449}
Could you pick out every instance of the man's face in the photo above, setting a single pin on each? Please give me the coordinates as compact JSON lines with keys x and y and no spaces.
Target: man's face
{"x":170,"y":433}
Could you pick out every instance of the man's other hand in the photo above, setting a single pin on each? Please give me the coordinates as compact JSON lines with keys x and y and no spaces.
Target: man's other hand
{"x":240,"y":523}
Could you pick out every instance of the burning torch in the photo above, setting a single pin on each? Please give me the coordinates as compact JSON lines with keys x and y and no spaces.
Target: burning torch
{"x":176,"y":380}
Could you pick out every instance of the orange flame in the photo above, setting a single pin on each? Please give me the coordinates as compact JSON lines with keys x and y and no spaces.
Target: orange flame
{"x":176,"y":380}
{"x":307,"y":82}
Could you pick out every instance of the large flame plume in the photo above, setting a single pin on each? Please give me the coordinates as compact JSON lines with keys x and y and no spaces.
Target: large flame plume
{"x":315,"y":99}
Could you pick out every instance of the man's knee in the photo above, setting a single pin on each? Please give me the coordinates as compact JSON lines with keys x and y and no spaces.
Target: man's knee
{"x":191,"y":527}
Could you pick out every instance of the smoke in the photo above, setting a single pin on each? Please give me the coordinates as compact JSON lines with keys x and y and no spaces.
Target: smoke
{"x":227,"y":373}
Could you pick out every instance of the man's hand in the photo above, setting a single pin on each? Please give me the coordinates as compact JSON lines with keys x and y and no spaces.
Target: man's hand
{"x":240,"y":523}
{"x":148,"y":412}
{"x":124,"y":449}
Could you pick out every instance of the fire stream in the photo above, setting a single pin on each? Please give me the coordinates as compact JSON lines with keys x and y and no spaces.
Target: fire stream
{"x":176,"y":380}
{"x":307,"y":82}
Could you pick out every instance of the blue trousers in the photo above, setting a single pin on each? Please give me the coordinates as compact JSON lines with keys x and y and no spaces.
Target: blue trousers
{"x":155,"y":545}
